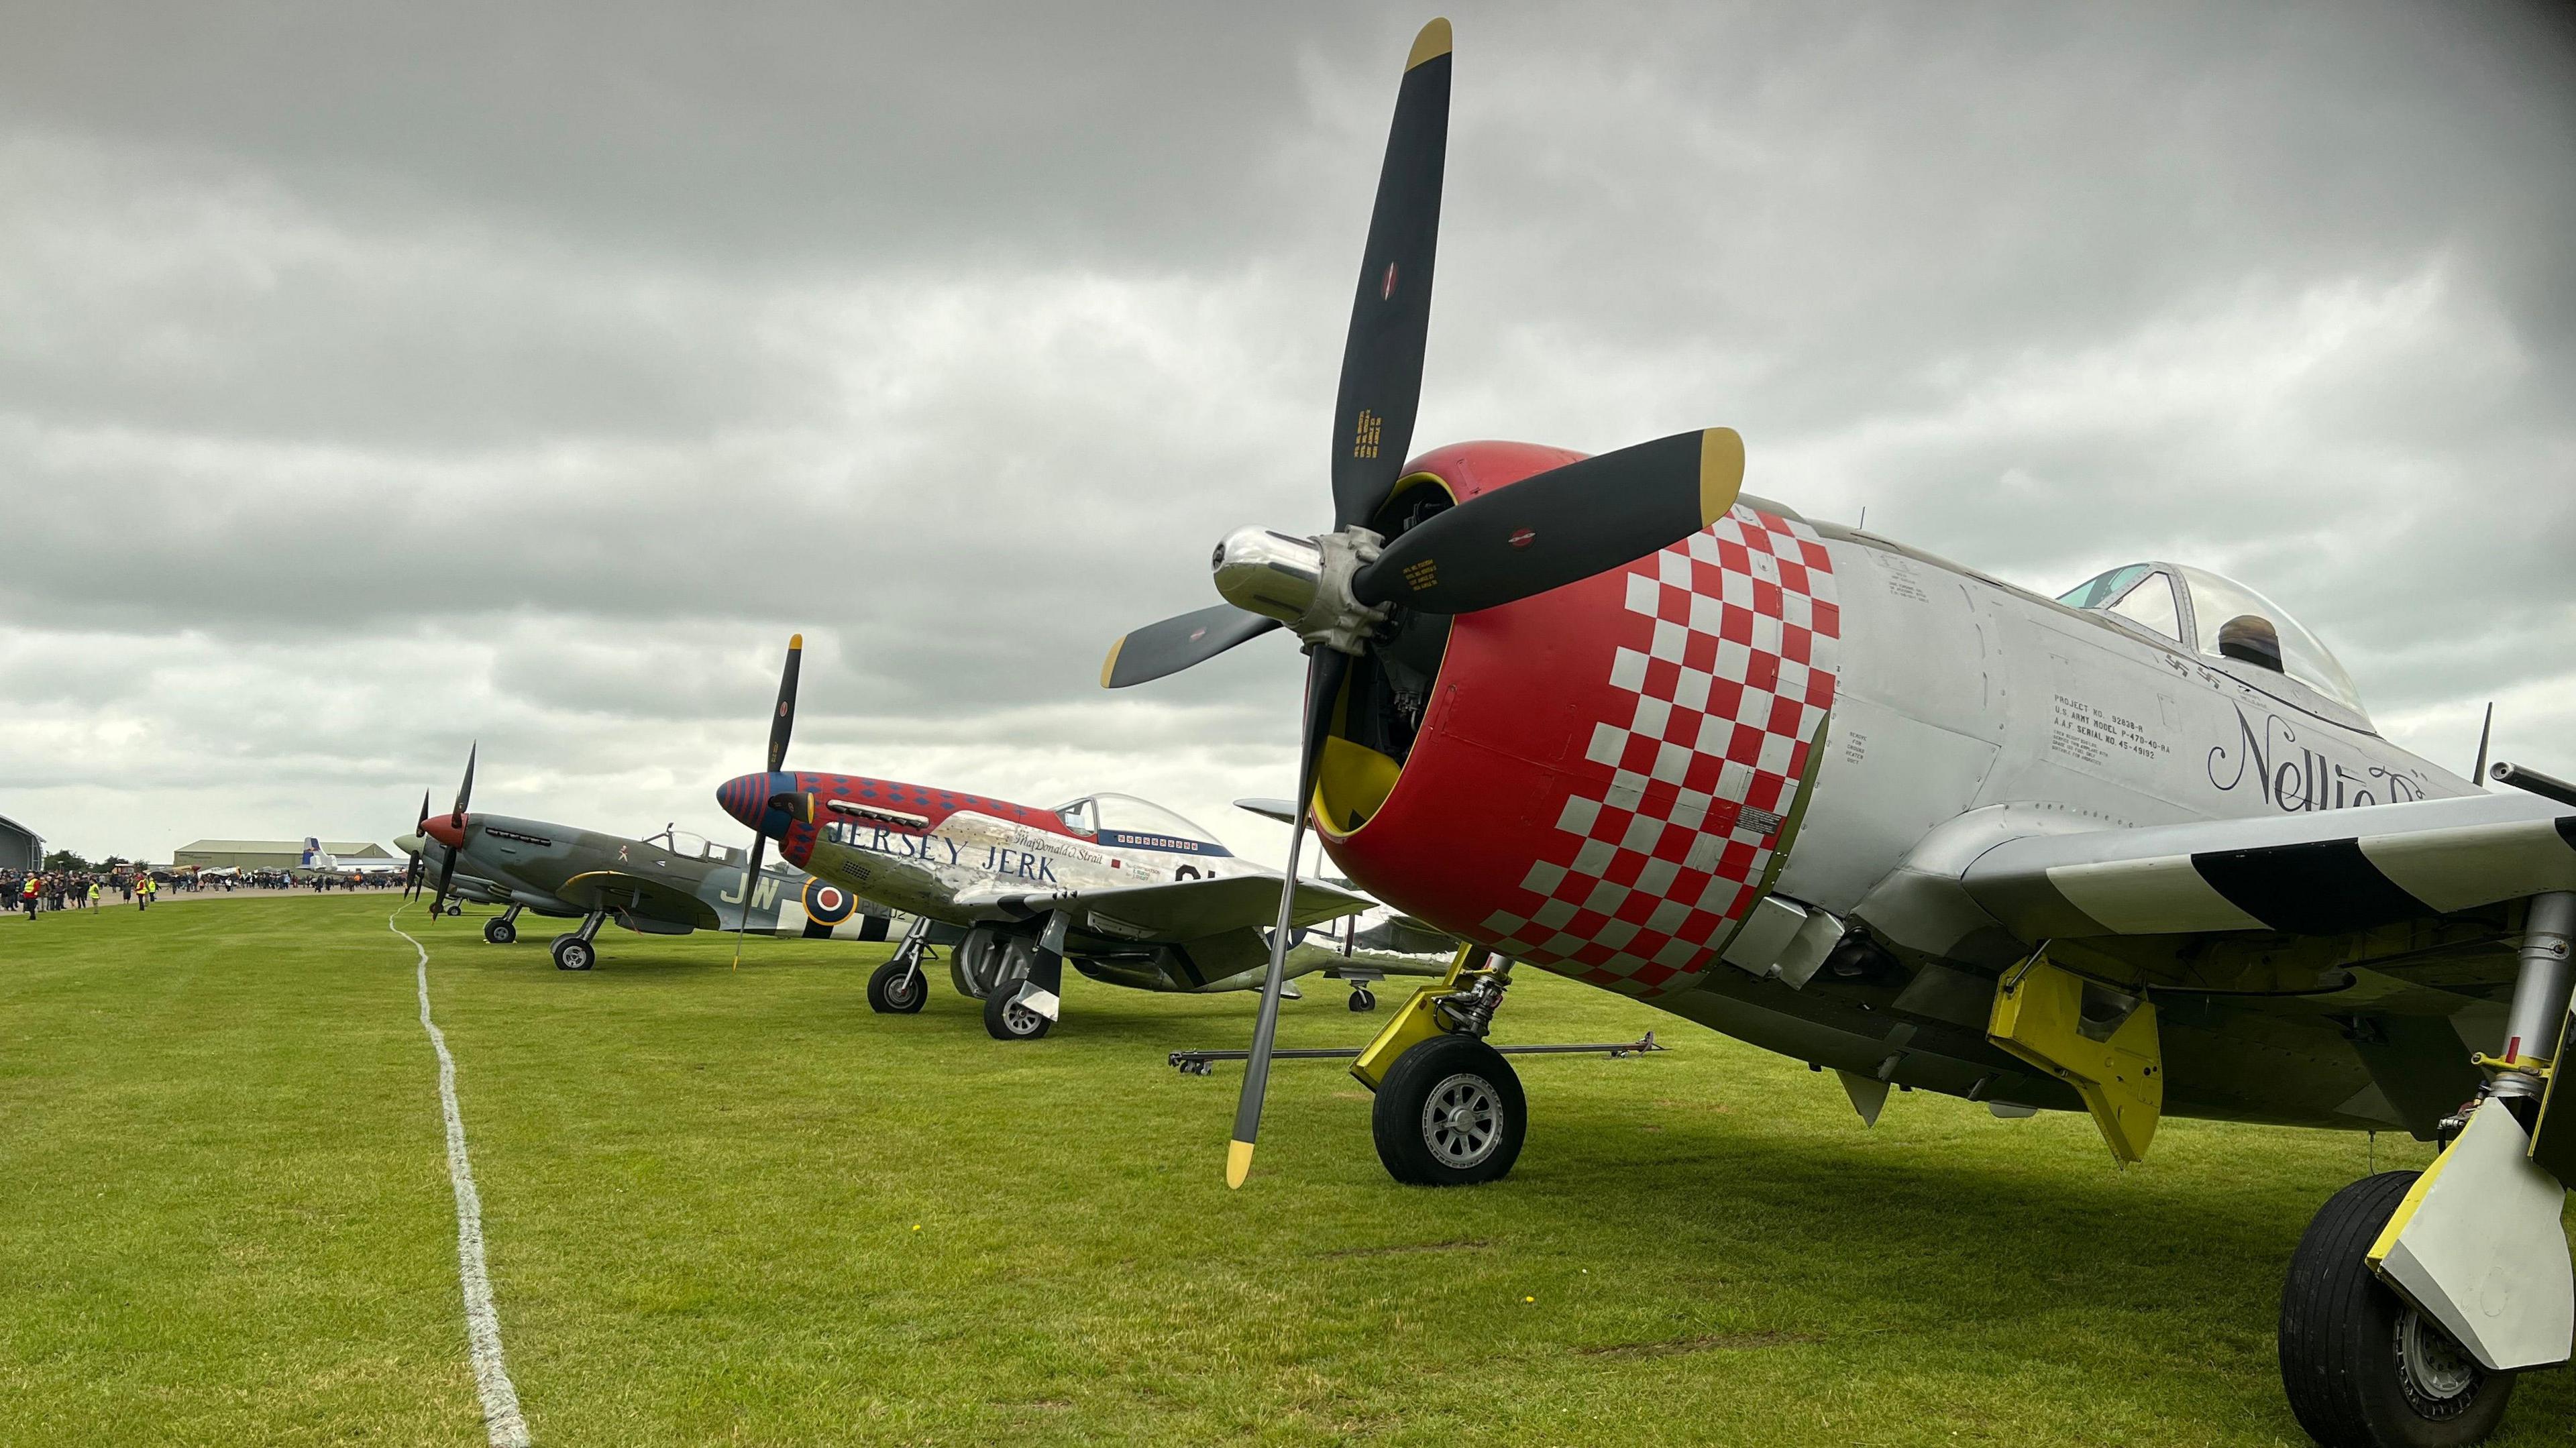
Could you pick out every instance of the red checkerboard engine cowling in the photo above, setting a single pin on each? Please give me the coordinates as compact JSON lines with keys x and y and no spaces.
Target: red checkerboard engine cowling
{"x":1601,"y":776}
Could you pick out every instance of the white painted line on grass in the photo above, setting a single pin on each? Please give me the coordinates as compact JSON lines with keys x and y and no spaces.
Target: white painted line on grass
{"x":482,"y":1325}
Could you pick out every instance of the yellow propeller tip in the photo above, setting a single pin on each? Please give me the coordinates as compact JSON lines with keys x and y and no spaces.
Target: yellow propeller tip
{"x":1430,"y":44}
{"x":796,"y":641}
{"x":1238,"y":1163}
{"x":1721,"y":472}
{"x":1109,"y":665}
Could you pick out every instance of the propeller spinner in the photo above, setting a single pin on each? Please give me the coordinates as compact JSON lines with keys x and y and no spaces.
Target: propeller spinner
{"x":1345,"y":593}
{"x":450,"y":833}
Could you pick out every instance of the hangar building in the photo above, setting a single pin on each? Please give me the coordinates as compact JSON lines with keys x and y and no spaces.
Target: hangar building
{"x":21,"y":848}
{"x":274,"y":854}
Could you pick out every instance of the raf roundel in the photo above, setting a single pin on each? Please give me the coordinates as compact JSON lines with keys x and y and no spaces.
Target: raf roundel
{"x":826,"y":903}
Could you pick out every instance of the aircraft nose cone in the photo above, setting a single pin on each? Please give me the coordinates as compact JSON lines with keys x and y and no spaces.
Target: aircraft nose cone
{"x":445,"y":830}
{"x":746,"y":797}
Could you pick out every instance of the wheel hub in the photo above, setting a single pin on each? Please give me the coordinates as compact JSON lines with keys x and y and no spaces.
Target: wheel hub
{"x":2439,"y":1378}
{"x":1462,"y":1120}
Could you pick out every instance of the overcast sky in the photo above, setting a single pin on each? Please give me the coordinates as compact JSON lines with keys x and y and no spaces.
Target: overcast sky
{"x":375,"y":379}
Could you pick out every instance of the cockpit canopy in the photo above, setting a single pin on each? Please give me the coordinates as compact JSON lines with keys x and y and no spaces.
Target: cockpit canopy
{"x":694,"y":847}
{"x":1125,"y":819}
{"x":2219,"y":617}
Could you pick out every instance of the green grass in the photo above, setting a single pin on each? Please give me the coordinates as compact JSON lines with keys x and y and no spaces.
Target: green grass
{"x":225,"y":1219}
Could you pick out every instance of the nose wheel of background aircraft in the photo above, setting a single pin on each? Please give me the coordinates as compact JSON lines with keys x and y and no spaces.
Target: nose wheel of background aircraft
{"x":1363,"y":999}
{"x":1007,"y":1020}
{"x":1450,"y":1113}
{"x":2360,"y":1366}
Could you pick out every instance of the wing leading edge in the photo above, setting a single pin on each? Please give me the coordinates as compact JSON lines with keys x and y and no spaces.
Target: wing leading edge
{"x":2318,"y":873}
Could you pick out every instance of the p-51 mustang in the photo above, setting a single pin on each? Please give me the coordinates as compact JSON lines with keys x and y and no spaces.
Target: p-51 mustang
{"x":2135,"y":850}
{"x":669,"y":884}
{"x":1131,"y":893}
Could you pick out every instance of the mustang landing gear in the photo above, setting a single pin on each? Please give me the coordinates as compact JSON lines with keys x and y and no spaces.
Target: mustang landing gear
{"x":1007,"y":1020}
{"x":1449,"y":1109}
{"x":574,"y":951}
{"x":2363,"y":1369}
{"x":898,"y":987}
{"x":503,"y":929}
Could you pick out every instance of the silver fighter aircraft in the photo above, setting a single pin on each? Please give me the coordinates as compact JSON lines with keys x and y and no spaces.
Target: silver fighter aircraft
{"x":2135,"y":850}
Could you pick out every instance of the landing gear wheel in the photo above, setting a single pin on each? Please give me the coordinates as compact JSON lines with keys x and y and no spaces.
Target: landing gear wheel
{"x":500,"y":931}
{"x":1363,"y":999}
{"x":2363,"y":1369}
{"x":1007,"y":1020}
{"x":1450,"y":1113}
{"x":896,"y":989}
{"x":574,"y":953}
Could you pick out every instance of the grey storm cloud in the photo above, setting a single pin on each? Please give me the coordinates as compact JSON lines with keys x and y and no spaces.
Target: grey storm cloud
{"x":375,"y":380}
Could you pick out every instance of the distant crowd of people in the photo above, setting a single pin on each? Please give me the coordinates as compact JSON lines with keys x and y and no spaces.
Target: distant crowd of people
{"x":38,"y":892}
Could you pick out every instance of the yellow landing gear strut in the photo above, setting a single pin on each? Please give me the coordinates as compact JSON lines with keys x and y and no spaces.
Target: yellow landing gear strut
{"x":2110,"y":1054}
{"x":1418,"y":1019}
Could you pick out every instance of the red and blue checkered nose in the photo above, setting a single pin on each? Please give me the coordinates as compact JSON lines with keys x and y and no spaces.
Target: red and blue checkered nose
{"x":747,"y":797}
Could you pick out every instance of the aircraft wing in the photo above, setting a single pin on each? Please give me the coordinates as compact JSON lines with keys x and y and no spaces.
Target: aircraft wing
{"x":624,"y":893}
{"x":1176,"y":911}
{"x":2318,"y":873}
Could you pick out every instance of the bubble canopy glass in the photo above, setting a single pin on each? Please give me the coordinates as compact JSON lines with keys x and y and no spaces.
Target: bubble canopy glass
{"x":1124,"y":815}
{"x":2214,"y":601}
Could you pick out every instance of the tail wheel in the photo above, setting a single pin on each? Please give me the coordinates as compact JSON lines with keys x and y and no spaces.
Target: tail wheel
{"x":1363,"y":999}
{"x":2363,"y":1369}
{"x":1007,"y":1020}
{"x":896,"y":989}
{"x":1450,"y":1113}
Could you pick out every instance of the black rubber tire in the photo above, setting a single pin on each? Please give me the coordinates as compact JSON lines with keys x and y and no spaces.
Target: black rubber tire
{"x":574,"y":953}
{"x":1363,"y":999}
{"x":896,"y":989}
{"x":498,"y":931}
{"x":2340,"y":1361}
{"x":1005,"y":1023}
{"x":1404,"y":1139}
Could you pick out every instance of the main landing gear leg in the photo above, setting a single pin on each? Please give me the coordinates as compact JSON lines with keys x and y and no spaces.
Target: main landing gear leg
{"x":2414,"y":1301}
{"x":503,"y":929}
{"x":898,"y":987}
{"x":1027,"y":1009}
{"x":1449,"y":1109}
{"x":574,"y":951}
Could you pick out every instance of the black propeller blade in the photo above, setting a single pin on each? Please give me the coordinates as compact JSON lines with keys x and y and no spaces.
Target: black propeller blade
{"x":456,"y":818}
{"x":1566,"y":523}
{"x":782,"y":724}
{"x":411,"y":877}
{"x":1325,"y":670}
{"x":1381,"y":386}
{"x":1177,"y":643}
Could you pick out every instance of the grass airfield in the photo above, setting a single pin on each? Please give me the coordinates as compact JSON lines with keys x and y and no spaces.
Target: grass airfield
{"x":737,"y":1207}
